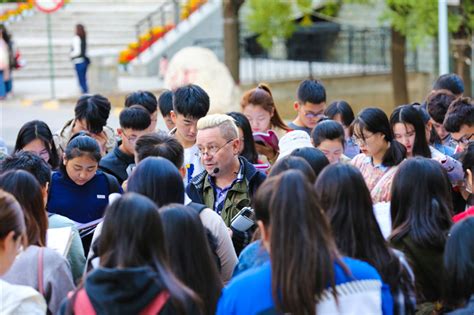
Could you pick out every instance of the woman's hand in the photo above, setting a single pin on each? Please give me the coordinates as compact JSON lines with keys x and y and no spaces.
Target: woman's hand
{"x":268,"y":151}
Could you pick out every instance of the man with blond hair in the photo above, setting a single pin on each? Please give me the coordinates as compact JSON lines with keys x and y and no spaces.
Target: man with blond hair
{"x":229,"y":181}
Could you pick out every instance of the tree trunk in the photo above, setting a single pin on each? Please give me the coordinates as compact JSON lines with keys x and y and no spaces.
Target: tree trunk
{"x":231,"y":37}
{"x":462,"y":58}
{"x":399,"y":74}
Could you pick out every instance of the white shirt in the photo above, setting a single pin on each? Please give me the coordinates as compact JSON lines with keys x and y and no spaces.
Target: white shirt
{"x":76,"y":50}
{"x":20,"y":299}
{"x":192,"y":162}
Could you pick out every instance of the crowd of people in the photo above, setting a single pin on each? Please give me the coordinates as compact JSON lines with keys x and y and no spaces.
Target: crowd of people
{"x":348,"y":214}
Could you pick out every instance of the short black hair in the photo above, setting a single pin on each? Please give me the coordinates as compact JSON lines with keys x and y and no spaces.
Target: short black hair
{"x":30,"y":162}
{"x":191,"y":101}
{"x":460,"y":112}
{"x":437,"y":104}
{"x":327,"y":130}
{"x":451,"y":82}
{"x":467,"y":158}
{"x":160,"y":144}
{"x":311,"y":91}
{"x":95,"y":110}
{"x":144,"y":98}
{"x":342,"y":108}
{"x":135,"y":117}
{"x":165,"y":102}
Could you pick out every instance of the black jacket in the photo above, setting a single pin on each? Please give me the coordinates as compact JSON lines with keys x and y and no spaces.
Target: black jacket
{"x":124,"y":291}
{"x":116,"y":163}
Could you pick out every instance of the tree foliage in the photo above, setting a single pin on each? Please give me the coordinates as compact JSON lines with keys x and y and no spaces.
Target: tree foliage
{"x":272,"y":19}
{"x":417,"y":20}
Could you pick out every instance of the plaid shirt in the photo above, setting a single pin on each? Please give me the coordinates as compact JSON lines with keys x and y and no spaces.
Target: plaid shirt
{"x":377,"y":177}
{"x":221,"y":193}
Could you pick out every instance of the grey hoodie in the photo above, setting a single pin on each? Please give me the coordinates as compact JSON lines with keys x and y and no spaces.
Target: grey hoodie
{"x":57,"y":277}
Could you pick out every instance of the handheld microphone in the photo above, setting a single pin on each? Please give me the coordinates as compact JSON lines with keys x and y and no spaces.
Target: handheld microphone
{"x":215,"y":171}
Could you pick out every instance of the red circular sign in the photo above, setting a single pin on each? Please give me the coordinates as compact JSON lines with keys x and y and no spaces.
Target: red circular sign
{"x":49,"y":6}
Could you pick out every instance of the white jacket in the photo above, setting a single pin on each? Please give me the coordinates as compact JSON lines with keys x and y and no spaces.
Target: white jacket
{"x":4,"y":60}
{"x":20,"y":299}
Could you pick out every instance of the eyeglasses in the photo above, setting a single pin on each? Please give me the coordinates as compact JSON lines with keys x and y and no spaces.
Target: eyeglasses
{"x":131,"y":139}
{"x":212,"y":149}
{"x":312,"y":115}
{"x":360,"y":141}
{"x":464,"y":139}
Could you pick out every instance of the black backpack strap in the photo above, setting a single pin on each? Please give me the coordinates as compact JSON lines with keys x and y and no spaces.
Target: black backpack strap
{"x":197,"y":206}
{"x":114,"y":186}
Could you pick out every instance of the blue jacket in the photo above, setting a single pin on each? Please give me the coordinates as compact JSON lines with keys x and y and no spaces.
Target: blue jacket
{"x":362,"y":292}
{"x":84,"y":203}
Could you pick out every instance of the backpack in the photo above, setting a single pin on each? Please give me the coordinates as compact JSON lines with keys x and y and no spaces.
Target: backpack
{"x":114,"y":186}
{"x":83,"y":305}
{"x":197,"y":206}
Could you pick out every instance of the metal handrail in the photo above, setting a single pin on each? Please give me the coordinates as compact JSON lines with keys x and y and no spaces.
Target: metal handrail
{"x":160,"y":14}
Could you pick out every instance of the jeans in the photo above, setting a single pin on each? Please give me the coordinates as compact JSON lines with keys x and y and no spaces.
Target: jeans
{"x":9,"y":85}
{"x":3,"y":90}
{"x":81,"y":69}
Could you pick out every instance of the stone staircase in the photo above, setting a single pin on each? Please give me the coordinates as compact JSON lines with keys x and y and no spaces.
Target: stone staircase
{"x":110,"y":24}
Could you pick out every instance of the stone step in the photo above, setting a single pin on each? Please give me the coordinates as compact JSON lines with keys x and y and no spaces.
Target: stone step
{"x":42,"y":52}
{"x":110,"y":24}
{"x":66,"y":42}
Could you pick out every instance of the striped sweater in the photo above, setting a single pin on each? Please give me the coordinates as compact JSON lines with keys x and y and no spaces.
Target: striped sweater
{"x":361,"y":292}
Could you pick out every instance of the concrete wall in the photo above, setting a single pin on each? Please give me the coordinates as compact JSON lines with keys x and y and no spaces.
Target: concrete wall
{"x":360,"y":91}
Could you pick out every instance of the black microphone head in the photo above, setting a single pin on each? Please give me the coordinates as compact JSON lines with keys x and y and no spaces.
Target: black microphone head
{"x":215,"y":171}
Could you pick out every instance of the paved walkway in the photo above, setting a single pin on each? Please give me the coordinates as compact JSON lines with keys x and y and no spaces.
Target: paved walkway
{"x":28,"y":92}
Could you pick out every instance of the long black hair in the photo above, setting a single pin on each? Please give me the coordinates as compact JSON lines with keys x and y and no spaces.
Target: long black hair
{"x":345,"y":198}
{"x":249,"y":152}
{"x":303,"y":251}
{"x":459,"y":264}
{"x":191,"y":258}
{"x":408,"y":114}
{"x":158,"y":179}
{"x":132,"y":236}
{"x":421,"y":203}
{"x":37,"y":129}
{"x":374,"y":120}
{"x":27,"y":192}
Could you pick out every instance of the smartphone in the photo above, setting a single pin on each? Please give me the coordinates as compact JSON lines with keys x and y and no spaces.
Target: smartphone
{"x":243,"y":220}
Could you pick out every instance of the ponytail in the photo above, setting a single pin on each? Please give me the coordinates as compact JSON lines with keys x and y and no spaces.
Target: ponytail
{"x":262,"y":96}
